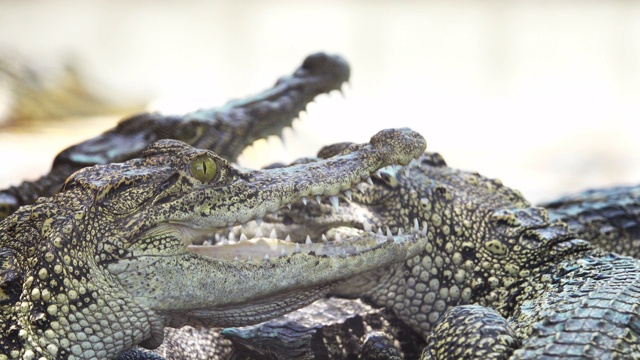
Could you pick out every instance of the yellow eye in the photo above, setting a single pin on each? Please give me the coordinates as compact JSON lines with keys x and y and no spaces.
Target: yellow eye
{"x":203,"y":168}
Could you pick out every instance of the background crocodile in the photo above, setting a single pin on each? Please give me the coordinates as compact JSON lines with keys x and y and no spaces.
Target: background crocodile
{"x":226,"y":130}
{"x":101,"y":266}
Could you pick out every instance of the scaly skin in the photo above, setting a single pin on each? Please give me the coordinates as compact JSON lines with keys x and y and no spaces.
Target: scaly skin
{"x":609,"y":217}
{"x":226,"y":130}
{"x":330,"y":328}
{"x":107,"y":263}
{"x":551,"y":292}
{"x":327,"y":329}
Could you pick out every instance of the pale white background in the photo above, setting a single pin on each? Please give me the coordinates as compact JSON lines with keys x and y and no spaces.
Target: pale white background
{"x":541,"y":94}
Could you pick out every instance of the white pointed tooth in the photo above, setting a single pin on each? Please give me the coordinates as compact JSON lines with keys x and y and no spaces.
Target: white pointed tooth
{"x":259,"y":221}
{"x":266,"y":257}
{"x":288,"y":238}
{"x":243,"y":237}
{"x":217,"y":237}
{"x":424,"y":230}
{"x":289,"y":206}
{"x":380,"y":231}
{"x":249,"y":258}
{"x":259,"y":234}
{"x":207,"y":242}
{"x":304,"y":200}
{"x":334,"y":202}
{"x":366,"y":226}
{"x":360,"y":187}
{"x":297,"y":248}
{"x":378,"y":173}
{"x":232,"y":237}
{"x":283,"y":253}
{"x":389,"y":235}
{"x":399,"y":231}
{"x":235,"y":259}
{"x":318,"y":199}
{"x":224,"y":242}
{"x":273,"y":234}
{"x":308,"y":241}
{"x":338,"y":238}
{"x":369,"y":181}
{"x":347,"y":193}
{"x":324,"y":238}
{"x":416,"y":225}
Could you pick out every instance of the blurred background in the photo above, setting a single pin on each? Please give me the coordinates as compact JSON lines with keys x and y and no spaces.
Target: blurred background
{"x":543,"y":95}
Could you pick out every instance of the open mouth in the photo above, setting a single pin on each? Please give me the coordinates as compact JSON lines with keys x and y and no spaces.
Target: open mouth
{"x":275,"y":235}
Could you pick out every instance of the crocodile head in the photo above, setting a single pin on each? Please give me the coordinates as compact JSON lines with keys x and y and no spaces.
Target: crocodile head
{"x":226,"y":130}
{"x":483,"y":237}
{"x":109,"y":261}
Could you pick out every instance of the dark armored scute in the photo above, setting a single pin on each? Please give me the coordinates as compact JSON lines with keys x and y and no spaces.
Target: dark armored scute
{"x":110,"y":260}
{"x":609,"y":217}
{"x":330,"y":328}
{"x":226,"y":130}
{"x":327,"y":329}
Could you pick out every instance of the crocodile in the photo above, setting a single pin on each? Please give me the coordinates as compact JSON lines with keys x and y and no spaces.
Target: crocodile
{"x":110,"y":260}
{"x":499,"y":278}
{"x":226,"y":130}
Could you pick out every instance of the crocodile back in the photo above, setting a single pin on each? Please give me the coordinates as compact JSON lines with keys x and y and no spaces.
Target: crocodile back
{"x":609,"y":218}
{"x":588,"y":309}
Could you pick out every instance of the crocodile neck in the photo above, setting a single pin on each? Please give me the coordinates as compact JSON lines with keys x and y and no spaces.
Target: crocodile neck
{"x":34,"y":308}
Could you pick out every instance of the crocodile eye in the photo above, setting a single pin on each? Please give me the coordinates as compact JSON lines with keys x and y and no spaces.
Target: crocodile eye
{"x":203,"y":168}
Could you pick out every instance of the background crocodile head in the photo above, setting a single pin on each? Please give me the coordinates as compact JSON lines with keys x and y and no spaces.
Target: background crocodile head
{"x":109,"y":261}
